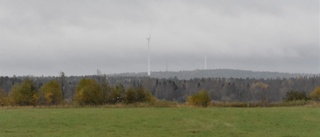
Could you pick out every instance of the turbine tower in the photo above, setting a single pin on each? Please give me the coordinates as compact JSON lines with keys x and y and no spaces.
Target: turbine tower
{"x":149,"y":38}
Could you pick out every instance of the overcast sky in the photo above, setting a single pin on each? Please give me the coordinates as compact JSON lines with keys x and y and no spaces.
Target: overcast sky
{"x":44,"y":37}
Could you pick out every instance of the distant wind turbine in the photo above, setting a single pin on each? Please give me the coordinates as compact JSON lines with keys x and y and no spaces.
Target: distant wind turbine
{"x":149,"y":38}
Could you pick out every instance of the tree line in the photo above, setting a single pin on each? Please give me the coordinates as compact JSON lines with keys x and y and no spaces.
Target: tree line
{"x":88,"y":92}
{"x":120,"y":89}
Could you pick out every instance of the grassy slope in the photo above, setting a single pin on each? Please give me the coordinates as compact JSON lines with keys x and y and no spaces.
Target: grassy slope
{"x":160,"y":122}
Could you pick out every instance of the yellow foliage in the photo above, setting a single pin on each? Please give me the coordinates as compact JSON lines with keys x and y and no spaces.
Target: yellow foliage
{"x":261,"y":85}
{"x":52,"y":92}
{"x":89,"y":92}
{"x":48,"y":97}
{"x":35,"y":99}
{"x":24,"y":94}
{"x":3,"y":98}
{"x":315,"y":95}
{"x":200,"y":99}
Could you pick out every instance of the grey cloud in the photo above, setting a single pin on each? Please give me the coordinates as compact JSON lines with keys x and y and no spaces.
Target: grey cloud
{"x":81,"y":36}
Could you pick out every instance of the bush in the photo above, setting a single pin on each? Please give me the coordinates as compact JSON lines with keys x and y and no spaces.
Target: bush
{"x":201,"y":99}
{"x":164,"y":103}
{"x":3,"y":98}
{"x":315,"y":95}
{"x":88,"y":92}
{"x":290,"y":103}
{"x":229,"y":104}
{"x":24,"y":94}
{"x":295,"y":96}
{"x":117,"y":95}
{"x":138,"y":94}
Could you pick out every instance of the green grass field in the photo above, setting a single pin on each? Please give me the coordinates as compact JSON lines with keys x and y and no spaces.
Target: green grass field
{"x":160,"y":122}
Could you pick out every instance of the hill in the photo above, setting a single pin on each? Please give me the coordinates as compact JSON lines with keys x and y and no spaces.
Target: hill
{"x":217,"y":73}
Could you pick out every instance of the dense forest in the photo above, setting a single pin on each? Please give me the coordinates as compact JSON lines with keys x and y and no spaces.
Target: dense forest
{"x":174,"y":89}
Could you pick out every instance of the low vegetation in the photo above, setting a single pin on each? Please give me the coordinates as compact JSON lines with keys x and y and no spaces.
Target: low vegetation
{"x":295,"y":96}
{"x":201,"y":99}
{"x":138,"y":94}
{"x":160,"y":122}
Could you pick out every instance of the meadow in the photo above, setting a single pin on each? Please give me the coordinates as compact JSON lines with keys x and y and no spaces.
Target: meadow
{"x":160,"y":122}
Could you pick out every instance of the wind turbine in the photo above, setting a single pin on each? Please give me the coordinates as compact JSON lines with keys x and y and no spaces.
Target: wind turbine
{"x":149,"y":38}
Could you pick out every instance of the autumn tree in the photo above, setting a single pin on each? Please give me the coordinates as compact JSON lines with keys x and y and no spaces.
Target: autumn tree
{"x":260,"y":90}
{"x":315,"y":94}
{"x":24,"y":94}
{"x":52,"y":92}
{"x":201,"y":99}
{"x":88,"y":92}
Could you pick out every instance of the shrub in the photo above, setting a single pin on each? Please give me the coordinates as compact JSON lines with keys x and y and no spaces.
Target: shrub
{"x":88,"y":92}
{"x":290,"y":103}
{"x":24,"y":94}
{"x":295,"y":95}
{"x":117,"y":95}
{"x":315,"y":95}
{"x":164,"y":103}
{"x":234,"y":104}
{"x":201,"y":99}
{"x":138,"y":94}
{"x":3,"y":98}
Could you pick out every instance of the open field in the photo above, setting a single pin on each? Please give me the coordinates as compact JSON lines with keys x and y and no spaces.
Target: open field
{"x":160,"y":122}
